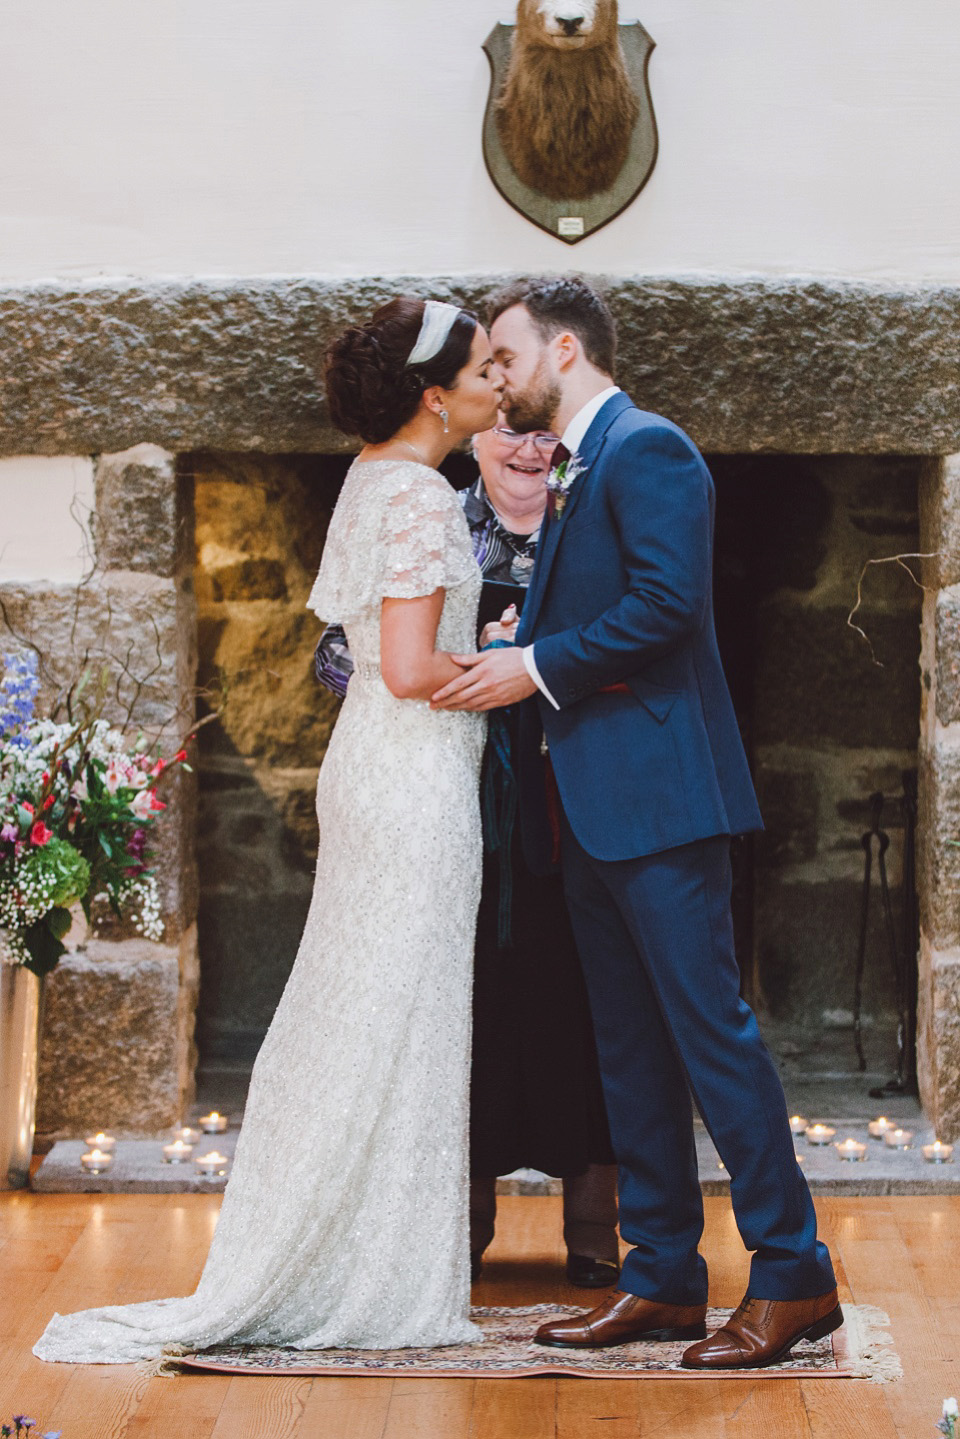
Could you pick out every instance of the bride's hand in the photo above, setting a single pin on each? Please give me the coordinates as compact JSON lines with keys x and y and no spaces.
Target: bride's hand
{"x":504,"y":629}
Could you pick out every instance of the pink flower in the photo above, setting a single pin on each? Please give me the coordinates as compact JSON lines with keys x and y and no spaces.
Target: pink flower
{"x":113,"y":778}
{"x":145,"y":804}
{"x":9,"y":833}
{"x":79,"y":789}
{"x":40,"y":835}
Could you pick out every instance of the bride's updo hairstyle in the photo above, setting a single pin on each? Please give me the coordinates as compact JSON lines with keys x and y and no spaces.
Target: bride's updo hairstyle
{"x":371,"y":390}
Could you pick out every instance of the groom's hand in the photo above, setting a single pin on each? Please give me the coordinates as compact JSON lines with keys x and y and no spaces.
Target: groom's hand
{"x":489,"y":681}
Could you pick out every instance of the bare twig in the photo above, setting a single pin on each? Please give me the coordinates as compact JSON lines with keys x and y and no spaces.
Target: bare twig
{"x":887,"y":560}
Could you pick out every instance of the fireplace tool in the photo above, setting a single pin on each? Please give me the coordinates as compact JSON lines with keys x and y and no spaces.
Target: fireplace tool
{"x":902,"y":952}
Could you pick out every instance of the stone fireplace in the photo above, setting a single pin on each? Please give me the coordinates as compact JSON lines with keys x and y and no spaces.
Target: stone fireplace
{"x":829,"y":414}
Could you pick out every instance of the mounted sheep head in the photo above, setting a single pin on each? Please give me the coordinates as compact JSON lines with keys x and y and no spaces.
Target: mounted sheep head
{"x":568,"y":108}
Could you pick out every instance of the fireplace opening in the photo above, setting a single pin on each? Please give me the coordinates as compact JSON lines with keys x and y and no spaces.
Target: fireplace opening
{"x":829,"y":719}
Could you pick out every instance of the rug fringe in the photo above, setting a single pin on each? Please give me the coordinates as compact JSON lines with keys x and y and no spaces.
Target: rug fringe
{"x":167,"y":1366}
{"x":872,"y":1355}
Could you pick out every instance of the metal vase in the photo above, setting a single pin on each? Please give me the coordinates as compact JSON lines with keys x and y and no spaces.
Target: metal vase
{"x":20,"y":999}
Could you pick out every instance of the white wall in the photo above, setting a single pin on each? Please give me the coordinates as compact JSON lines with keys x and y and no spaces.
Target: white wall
{"x":45,"y":510}
{"x":307,"y":136}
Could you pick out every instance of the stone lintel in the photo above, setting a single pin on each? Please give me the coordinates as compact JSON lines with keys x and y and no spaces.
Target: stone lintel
{"x":790,"y":365}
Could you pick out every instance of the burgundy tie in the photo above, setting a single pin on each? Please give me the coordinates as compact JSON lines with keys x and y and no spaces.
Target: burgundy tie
{"x":560,"y":454}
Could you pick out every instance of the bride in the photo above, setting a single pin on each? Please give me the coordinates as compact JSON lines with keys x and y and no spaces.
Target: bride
{"x":344,"y":1223}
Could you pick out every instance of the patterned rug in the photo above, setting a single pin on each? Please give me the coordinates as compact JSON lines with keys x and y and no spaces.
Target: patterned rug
{"x":861,"y":1349}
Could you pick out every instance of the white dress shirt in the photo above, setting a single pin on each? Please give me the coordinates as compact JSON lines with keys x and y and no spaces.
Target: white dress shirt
{"x":573,"y":437}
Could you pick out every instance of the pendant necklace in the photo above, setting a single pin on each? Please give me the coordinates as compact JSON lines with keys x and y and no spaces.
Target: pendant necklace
{"x":414,"y":451}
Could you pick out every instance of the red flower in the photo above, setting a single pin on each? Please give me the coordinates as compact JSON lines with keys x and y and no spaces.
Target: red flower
{"x":25,"y":804}
{"x":180,"y":756}
{"x":158,"y":768}
{"x":40,"y":835}
{"x":50,"y":799}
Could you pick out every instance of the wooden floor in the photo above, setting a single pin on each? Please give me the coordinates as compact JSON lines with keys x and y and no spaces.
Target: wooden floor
{"x":65,"y":1252}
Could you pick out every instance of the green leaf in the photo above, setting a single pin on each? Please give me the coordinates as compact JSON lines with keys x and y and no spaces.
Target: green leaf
{"x":44,"y":949}
{"x":105,"y":845}
{"x":59,"y":922}
{"x":26,"y":819}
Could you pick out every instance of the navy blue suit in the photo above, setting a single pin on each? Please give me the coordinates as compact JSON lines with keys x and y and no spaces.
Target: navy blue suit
{"x":652,"y":784}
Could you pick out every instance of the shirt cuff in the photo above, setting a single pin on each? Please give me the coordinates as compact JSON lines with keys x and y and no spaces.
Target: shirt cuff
{"x":534,"y":673}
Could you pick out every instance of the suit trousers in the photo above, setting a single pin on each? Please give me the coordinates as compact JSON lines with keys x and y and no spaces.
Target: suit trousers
{"x":655,"y":937}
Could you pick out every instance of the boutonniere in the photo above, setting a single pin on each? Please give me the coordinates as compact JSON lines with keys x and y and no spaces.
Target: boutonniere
{"x":559,"y":482}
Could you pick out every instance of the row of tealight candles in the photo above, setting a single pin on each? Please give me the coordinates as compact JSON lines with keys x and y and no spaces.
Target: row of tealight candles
{"x":881,"y":1128}
{"x":99,"y":1157}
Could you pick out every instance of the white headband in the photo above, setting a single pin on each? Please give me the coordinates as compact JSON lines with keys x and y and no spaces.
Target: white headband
{"x":438,"y":321}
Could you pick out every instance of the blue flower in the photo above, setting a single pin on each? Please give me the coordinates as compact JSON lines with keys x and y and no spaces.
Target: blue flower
{"x":19,"y":688}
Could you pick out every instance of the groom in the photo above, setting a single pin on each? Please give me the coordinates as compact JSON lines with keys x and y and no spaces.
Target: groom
{"x":649,"y":781}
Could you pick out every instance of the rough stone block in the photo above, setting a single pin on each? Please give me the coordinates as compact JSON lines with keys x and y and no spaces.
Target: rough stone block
{"x":777,"y":364}
{"x":940,"y":521}
{"x":275,"y":711}
{"x":819,"y":683}
{"x":938,"y":1038}
{"x":248,"y":944}
{"x":130,"y":623}
{"x":948,"y":655}
{"x":807,"y":938}
{"x":112,"y":1046}
{"x":789,"y":805}
{"x":139,"y":522}
{"x":938,"y":851}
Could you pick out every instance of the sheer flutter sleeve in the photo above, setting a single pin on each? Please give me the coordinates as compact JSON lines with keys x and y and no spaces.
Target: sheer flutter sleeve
{"x":398,"y":532}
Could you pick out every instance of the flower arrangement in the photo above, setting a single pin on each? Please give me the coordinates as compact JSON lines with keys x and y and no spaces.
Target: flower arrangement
{"x":951,"y":1419}
{"x":23,"y":1425}
{"x":77,"y":804}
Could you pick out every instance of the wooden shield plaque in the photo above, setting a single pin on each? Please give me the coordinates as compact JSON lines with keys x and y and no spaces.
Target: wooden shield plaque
{"x":573,"y":220}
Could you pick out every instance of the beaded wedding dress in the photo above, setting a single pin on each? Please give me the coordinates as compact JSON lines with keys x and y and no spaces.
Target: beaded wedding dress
{"x":345,"y":1220}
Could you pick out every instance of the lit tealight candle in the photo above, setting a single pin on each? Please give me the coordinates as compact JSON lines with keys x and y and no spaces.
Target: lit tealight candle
{"x":851,"y":1149}
{"x":187,"y":1135}
{"x":878,"y":1127}
{"x":898,"y":1138}
{"x":937,"y":1153}
{"x":96,"y":1162}
{"x":104,"y":1142}
{"x":819,"y":1133}
{"x":798,"y":1125}
{"x":212,"y":1164}
{"x":178,"y":1152}
{"x":214,"y":1123}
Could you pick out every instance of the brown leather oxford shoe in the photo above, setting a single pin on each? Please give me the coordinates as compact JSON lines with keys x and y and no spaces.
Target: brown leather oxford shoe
{"x":763,"y":1331}
{"x":622,"y":1319}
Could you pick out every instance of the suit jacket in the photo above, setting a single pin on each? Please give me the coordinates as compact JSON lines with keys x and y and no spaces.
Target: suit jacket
{"x":622,"y":593}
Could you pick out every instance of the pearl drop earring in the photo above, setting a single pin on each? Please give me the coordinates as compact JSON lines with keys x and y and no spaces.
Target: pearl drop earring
{"x":445,"y":417}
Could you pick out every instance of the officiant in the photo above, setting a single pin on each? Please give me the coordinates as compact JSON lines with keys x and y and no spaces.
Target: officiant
{"x":536,"y":1099}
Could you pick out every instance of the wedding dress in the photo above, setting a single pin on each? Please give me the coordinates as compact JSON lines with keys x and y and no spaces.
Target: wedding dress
{"x":345,"y":1220}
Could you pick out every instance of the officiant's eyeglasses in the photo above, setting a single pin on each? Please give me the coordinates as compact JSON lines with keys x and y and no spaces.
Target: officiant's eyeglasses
{"x":546,"y":442}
